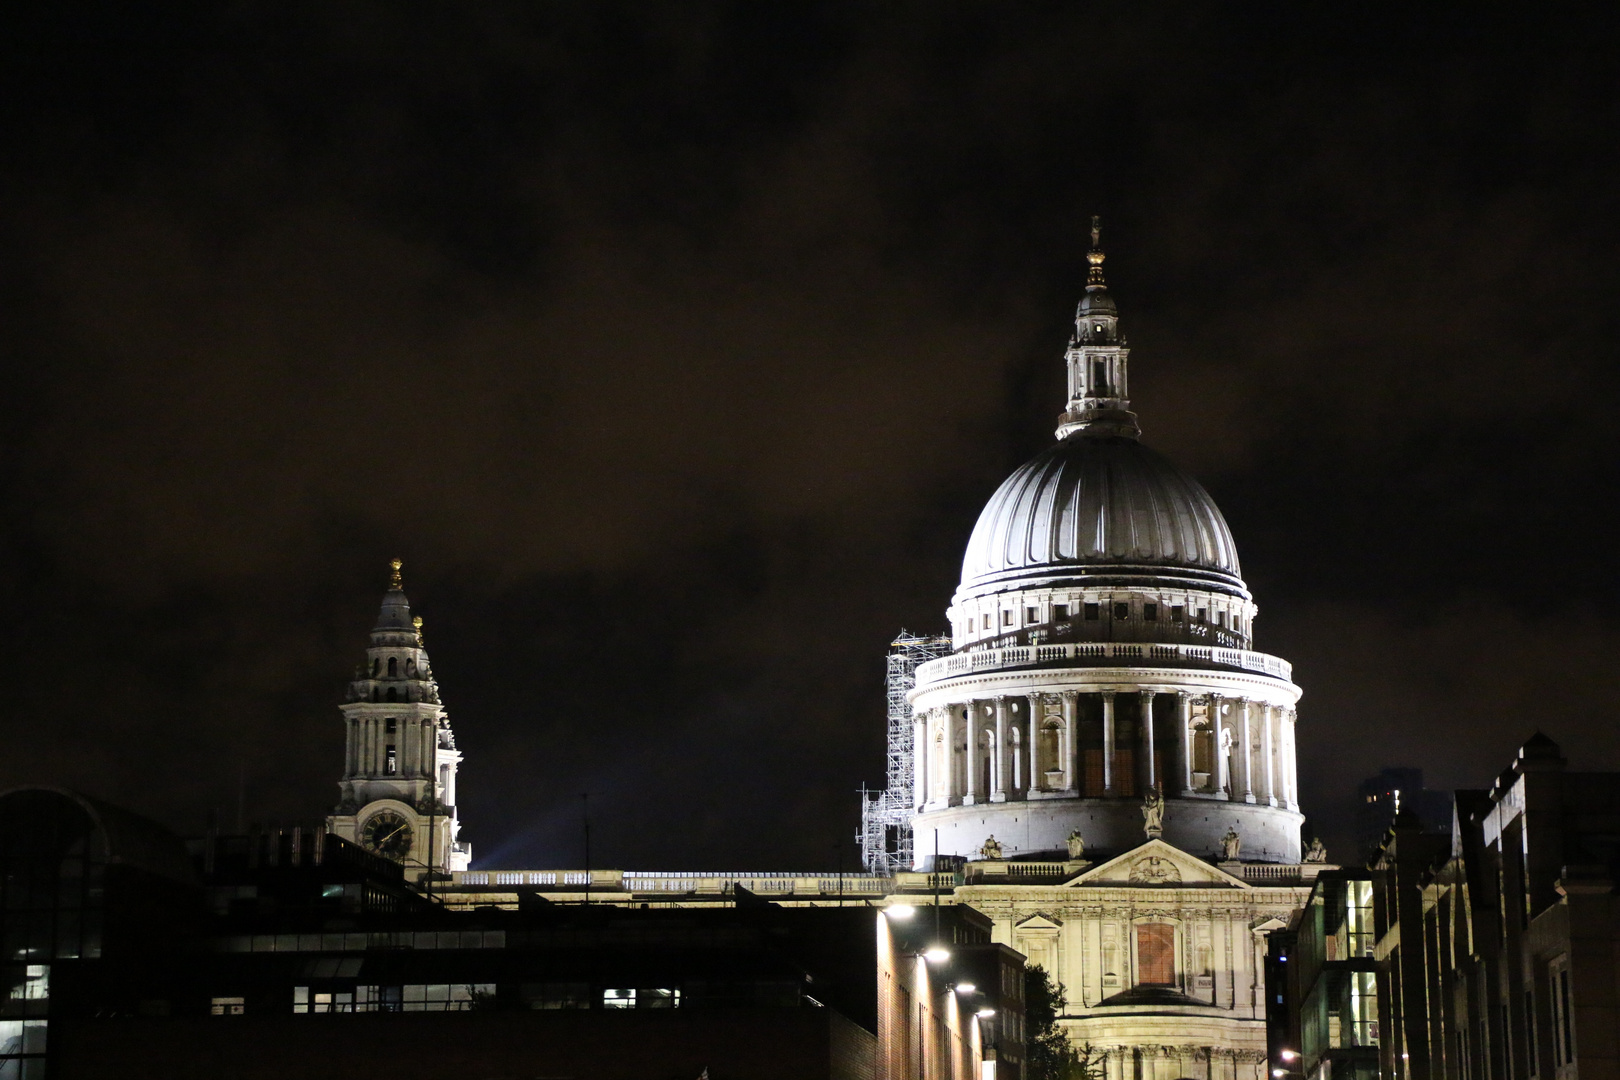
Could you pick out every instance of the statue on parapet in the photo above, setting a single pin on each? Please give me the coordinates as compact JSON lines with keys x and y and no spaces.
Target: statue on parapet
{"x":1077,"y":845}
{"x":1153,"y":813}
{"x":991,"y":849}
{"x":1317,"y":852}
{"x":1231,"y":845}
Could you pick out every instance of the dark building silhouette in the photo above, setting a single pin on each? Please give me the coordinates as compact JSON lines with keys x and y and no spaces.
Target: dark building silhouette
{"x":1394,"y":789}
{"x":1491,"y":954}
{"x":297,"y":953}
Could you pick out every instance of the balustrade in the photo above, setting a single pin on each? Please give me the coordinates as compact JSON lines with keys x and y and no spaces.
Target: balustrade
{"x":1099,"y":654}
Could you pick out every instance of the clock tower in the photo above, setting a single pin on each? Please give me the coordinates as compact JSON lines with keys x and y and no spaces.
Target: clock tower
{"x":398,"y":793}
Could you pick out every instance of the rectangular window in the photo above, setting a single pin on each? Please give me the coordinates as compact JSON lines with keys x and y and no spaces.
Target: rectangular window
{"x":390,"y":725}
{"x":1563,"y":1033}
{"x":1032,"y":615}
{"x":1092,"y":612}
{"x":1122,"y":611}
{"x":227,"y":1006}
{"x":1203,"y":614}
{"x":1530,"y":1030}
{"x":987,"y":620}
{"x":658,"y":998}
{"x":1006,"y":618}
{"x":1150,"y":612}
{"x":390,"y":761}
{"x":1176,"y":613}
{"x":1060,"y":612}
{"x":1156,"y":954}
{"x":557,"y":995}
{"x":618,"y":999}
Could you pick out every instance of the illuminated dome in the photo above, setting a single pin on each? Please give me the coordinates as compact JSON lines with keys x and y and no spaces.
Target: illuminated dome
{"x":1100,"y":509}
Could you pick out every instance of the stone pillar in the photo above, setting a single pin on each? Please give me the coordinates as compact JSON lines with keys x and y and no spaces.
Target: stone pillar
{"x":1108,"y":742}
{"x":1149,"y":771}
{"x":1071,"y":754}
{"x":922,"y":758}
{"x":1184,"y":740}
{"x":998,"y":760}
{"x":1217,"y":734}
{"x":1037,"y":740}
{"x":1271,"y":755}
{"x":971,"y":726}
{"x":1246,"y":758}
{"x":1291,"y":759}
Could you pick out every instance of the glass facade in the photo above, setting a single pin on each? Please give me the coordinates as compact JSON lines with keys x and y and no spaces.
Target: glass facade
{"x":53,"y":863}
{"x":1338,"y":1018}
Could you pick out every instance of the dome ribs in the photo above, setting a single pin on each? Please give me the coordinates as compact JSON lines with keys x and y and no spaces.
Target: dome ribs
{"x":1092,"y":506}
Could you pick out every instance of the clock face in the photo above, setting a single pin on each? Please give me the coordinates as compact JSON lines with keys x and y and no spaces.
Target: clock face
{"x":388,"y":834}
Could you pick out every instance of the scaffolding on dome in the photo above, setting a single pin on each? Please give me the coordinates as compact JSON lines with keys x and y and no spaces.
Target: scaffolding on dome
{"x":885,"y":834}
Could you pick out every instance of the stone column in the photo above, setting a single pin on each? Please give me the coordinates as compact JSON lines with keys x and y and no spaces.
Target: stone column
{"x":922,"y":757}
{"x":1271,"y":755}
{"x":1217,"y":734}
{"x":1246,"y":759}
{"x":1148,"y":769}
{"x":1290,"y":720}
{"x":1038,"y":769}
{"x":1184,"y":740}
{"x":1108,"y":742}
{"x":998,"y":761}
{"x":1071,"y":754}
{"x":971,"y":726}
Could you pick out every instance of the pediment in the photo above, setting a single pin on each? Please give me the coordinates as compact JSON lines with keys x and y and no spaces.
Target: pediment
{"x":1156,"y":864}
{"x":1038,"y":922}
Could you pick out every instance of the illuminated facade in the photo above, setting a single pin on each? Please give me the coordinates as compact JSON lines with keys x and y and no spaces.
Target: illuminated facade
{"x":398,"y":793}
{"x":1103,"y":757}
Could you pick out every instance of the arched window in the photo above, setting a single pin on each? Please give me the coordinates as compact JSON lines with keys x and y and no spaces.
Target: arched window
{"x":1203,"y":755}
{"x":393,"y":666}
{"x":410,"y":667}
{"x":376,"y":666}
{"x":392,"y":696}
{"x":376,"y":695}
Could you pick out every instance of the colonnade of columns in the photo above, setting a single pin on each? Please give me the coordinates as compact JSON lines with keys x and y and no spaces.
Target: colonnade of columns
{"x":1010,"y":746}
{"x":414,"y":741}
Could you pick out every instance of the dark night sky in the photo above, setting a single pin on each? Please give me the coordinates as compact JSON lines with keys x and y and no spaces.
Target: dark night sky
{"x":675,"y":349}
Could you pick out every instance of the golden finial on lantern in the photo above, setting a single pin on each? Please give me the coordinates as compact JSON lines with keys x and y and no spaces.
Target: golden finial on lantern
{"x":1094,"y":277}
{"x":396,"y":565}
{"x":417,"y":622}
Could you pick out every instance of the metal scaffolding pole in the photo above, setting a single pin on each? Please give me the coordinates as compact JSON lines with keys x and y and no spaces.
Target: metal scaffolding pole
{"x":885,"y":834}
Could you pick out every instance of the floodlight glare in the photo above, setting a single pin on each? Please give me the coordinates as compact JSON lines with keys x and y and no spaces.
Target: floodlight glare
{"x":965,"y":988}
{"x":1279,"y":1072}
{"x":1287,"y":1055}
{"x":986,"y":1011}
{"x":938,"y":954}
{"x":900,"y":911}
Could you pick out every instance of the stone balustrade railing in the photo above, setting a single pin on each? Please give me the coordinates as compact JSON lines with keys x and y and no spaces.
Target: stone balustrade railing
{"x":776,"y":883}
{"x":1099,"y":654}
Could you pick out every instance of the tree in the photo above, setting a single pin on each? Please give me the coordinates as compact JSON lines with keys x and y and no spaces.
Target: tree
{"x":1050,"y":1054}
